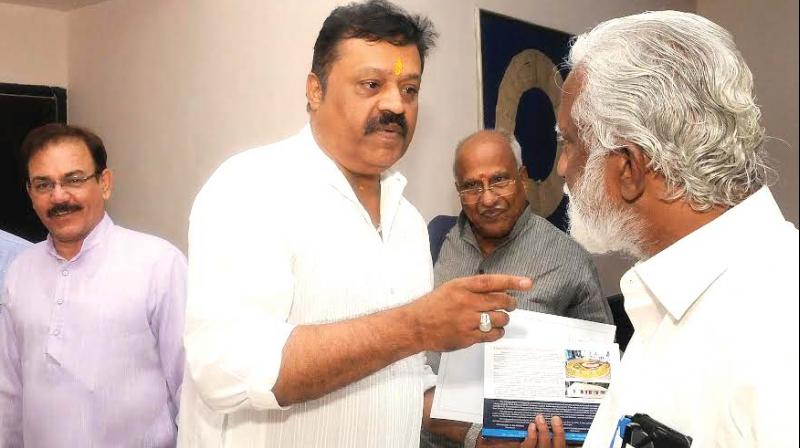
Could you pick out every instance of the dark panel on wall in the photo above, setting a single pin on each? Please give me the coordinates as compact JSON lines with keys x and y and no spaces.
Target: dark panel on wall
{"x":22,"y":108}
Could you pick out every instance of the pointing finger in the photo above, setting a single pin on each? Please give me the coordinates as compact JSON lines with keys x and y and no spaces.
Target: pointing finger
{"x":496,"y":283}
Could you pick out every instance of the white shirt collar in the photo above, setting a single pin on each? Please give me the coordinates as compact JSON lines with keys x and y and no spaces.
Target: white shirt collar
{"x":95,"y":236}
{"x":678,"y":275}
{"x":392,"y":182}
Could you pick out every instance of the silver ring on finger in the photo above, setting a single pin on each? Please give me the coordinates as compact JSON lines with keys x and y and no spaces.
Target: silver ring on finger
{"x":486,"y":323}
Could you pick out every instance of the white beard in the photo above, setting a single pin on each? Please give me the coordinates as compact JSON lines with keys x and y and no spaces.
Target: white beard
{"x":594,"y":222}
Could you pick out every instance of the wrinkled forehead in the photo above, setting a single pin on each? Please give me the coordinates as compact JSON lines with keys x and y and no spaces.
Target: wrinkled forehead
{"x":570,"y":91}
{"x":484,"y":156}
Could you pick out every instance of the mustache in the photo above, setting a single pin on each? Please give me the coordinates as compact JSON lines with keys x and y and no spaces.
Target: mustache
{"x":64,"y":207}
{"x":385,"y":119}
{"x":492,"y":210}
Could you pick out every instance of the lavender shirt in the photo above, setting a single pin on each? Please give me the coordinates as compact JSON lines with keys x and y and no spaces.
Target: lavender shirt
{"x":90,"y":349}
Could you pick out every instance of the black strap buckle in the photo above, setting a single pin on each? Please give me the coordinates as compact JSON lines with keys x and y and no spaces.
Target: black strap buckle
{"x":644,"y":431}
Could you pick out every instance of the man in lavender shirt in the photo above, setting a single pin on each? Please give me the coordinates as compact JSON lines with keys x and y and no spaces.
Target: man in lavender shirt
{"x":90,"y":319}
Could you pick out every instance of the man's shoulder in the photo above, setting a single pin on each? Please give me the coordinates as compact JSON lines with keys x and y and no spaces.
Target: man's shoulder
{"x":263,"y":157}
{"x":769,"y":259}
{"x":145,"y":245}
{"x":25,"y":264}
{"x":757,"y":290}
{"x":412,"y":213}
{"x":250,"y":169}
{"x":771,"y":278}
{"x":13,"y":243}
{"x":10,"y":248}
{"x":30,"y":254}
{"x":539,"y":232}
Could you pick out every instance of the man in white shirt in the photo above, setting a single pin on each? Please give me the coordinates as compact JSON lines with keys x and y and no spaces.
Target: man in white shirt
{"x":664,"y":160}
{"x":10,"y":246}
{"x":310,"y":273}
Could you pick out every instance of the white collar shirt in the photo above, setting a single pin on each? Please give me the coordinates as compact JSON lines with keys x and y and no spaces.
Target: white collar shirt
{"x":715,"y":349}
{"x":278,"y":238}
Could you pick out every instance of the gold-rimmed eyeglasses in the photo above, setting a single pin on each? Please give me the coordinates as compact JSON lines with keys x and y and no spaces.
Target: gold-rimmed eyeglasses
{"x":472,"y":194}
{"x":72,"y":182}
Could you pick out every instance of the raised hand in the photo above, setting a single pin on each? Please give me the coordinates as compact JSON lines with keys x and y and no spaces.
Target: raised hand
{"x":449,"y":317}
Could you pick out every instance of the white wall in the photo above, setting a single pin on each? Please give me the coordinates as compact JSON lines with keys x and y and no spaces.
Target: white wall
{"x":33,"y":46}
{"x":176,"y":86}
{"x":767,"y":35}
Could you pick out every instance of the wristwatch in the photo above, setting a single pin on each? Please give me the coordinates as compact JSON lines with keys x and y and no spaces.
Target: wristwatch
{"x":471,"y":439}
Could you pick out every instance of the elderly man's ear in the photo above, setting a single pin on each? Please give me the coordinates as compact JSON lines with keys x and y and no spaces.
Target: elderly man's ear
{"x":627,"y":170}
{"x":523,"y":177}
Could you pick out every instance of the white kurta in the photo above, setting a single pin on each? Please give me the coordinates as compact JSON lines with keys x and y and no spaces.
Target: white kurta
{"x":277,"y":238}
{"x":715,"y":351}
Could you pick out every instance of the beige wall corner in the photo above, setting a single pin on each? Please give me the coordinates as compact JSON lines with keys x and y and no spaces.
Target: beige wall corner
{"x":33,"y":46}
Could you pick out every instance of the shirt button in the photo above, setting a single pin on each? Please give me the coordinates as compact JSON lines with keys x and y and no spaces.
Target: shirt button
{"x":60,"y":301}
{"x":56,"y":332}
{"x":65,"y":272}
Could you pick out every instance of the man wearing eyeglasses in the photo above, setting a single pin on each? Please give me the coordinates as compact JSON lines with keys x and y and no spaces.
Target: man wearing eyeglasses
{"x":91,"y":319}
{"x":498,"y":233}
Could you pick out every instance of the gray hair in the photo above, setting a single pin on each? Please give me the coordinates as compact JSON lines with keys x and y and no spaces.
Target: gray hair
{"x":516,"y":149}
{"x":674,"y":84}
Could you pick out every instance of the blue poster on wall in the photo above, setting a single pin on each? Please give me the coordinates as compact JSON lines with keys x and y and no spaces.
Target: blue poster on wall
{"x":521,"y":72}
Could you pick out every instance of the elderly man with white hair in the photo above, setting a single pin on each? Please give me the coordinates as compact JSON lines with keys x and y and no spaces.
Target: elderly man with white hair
{"x":664,"y":160}
{"x":497,"y":233}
